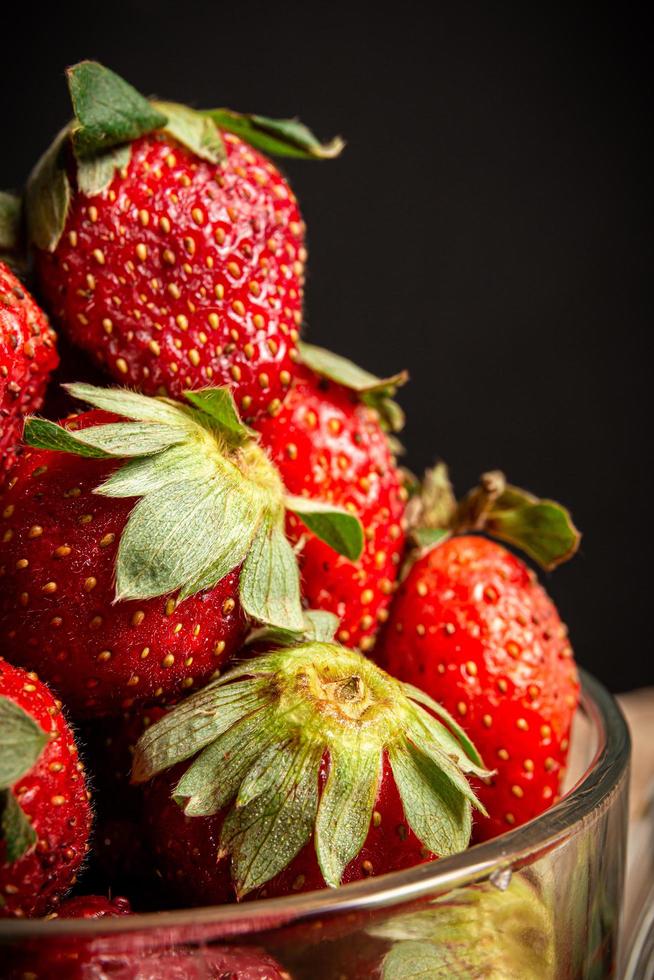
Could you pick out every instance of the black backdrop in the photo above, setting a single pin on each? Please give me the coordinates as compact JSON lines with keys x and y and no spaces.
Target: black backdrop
{"x":488,"y":227}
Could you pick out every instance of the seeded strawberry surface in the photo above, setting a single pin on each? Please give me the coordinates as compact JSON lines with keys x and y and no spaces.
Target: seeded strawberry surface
{"x":27,"y":356}
{"x":184,"y":274}
{"x":57,"y":611}
{"x":54,"y":799}
{"x":328,"y":445}
{"x":472,"y":627}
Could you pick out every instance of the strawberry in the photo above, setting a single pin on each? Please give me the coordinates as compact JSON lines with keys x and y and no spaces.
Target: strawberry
{"x":328,"y":443}
{"x":93,"y":907}
{"x":67,"y":956}
{"x":171,"y":249}
{"x":314,"y":768}
{"x":27,"y":356}
{"x":45,"y":816}
{"x":116,"y":603}
{"x":473,"y":628}
{"x":72,"y":958}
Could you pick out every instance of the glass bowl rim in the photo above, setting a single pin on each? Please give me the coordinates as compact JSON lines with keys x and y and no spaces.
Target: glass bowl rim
{"x":606,"y":771}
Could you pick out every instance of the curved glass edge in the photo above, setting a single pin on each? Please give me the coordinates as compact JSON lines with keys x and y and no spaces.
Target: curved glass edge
{"x":604,"y":776}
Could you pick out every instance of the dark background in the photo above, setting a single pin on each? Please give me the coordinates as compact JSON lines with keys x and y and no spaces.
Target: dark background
{"x":488,"y":227}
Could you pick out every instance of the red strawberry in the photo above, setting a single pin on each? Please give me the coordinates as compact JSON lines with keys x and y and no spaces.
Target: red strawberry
{"x":72,"y":958}
{"x":211,"y":502}
{"x":45,"y":815}
{"x":181,"y":263}
{"x":473,"y":628}
{"x":93,"y":907}
{"x":329,"y":444}
{"x":315,"y":768}
{"x":27,"y":356}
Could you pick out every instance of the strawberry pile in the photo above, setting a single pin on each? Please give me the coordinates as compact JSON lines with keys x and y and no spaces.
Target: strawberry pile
{"x":292,"y":664}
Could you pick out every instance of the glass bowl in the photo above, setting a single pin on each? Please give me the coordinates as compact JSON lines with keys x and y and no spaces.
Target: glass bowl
{"x":542,"y":901}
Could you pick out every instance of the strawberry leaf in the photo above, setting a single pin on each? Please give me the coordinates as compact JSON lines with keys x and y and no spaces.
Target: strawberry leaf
{"x":175,"y":534}
{"x":194,"y":130}
{"x":125,"y":439}
{"x":344,"y":372}
{"x":196,"y":722}
{"x":375,"y":392}
{"x":429,"y":537}
{"x":278,"y":137}
{"x":219,"y":405}
{"x":346,"y":806}
{"x":415,"y":960}
{"x":139,"y":477}
{"x":43,"y":434}
{"x":15,"y":829}
{"x":108,"y":111}
{"x":266,"y":834}
{"x":10,"y":215}
{"x":338,"y":528}
{"x":129,"y":404}
{"x":319,"y":625}
{"x":95,"y":174}
{"x":214,"y":778}
{"x":542,"y":529}
{"x":118,"y":440}
{"x":459,"y":734}
{"x":47,"y":197}
{"x":270,"y":581}
{"x":22,"y":741}
{"x":436,"y":810}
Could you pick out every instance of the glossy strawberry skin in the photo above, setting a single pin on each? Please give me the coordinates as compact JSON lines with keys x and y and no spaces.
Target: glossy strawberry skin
{"x":54,"y":798}
{"x":185,"y":848}
{"x":184,"y":274}
{"x":472,"y":627}
{"x":28,"y":355}
{"x":58,"y":543}
{"x":328,"y":445}
{"x":93,"y":907}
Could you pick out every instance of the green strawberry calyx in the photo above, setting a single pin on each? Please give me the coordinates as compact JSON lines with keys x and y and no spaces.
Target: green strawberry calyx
{"x":377,"y":393}
{"x":211,"y":500}
{"x":22,"y":741}
{"x":261,"y":734}
{"x":542,"y":529}
{"x":478,"y":931}
{"x":109,"y":114}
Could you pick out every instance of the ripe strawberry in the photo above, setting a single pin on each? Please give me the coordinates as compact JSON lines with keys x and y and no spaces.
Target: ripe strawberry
{"x":211,"y":504}
{"x":45,"y":815}
{"x":27,"y":356}
{"x":473,"y":628}
{"x":329,"y":444}
{"x":177,"y":258}
{"x":72,"y":958}
{"x":93,"y":907}
{"x":315,"y":768}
